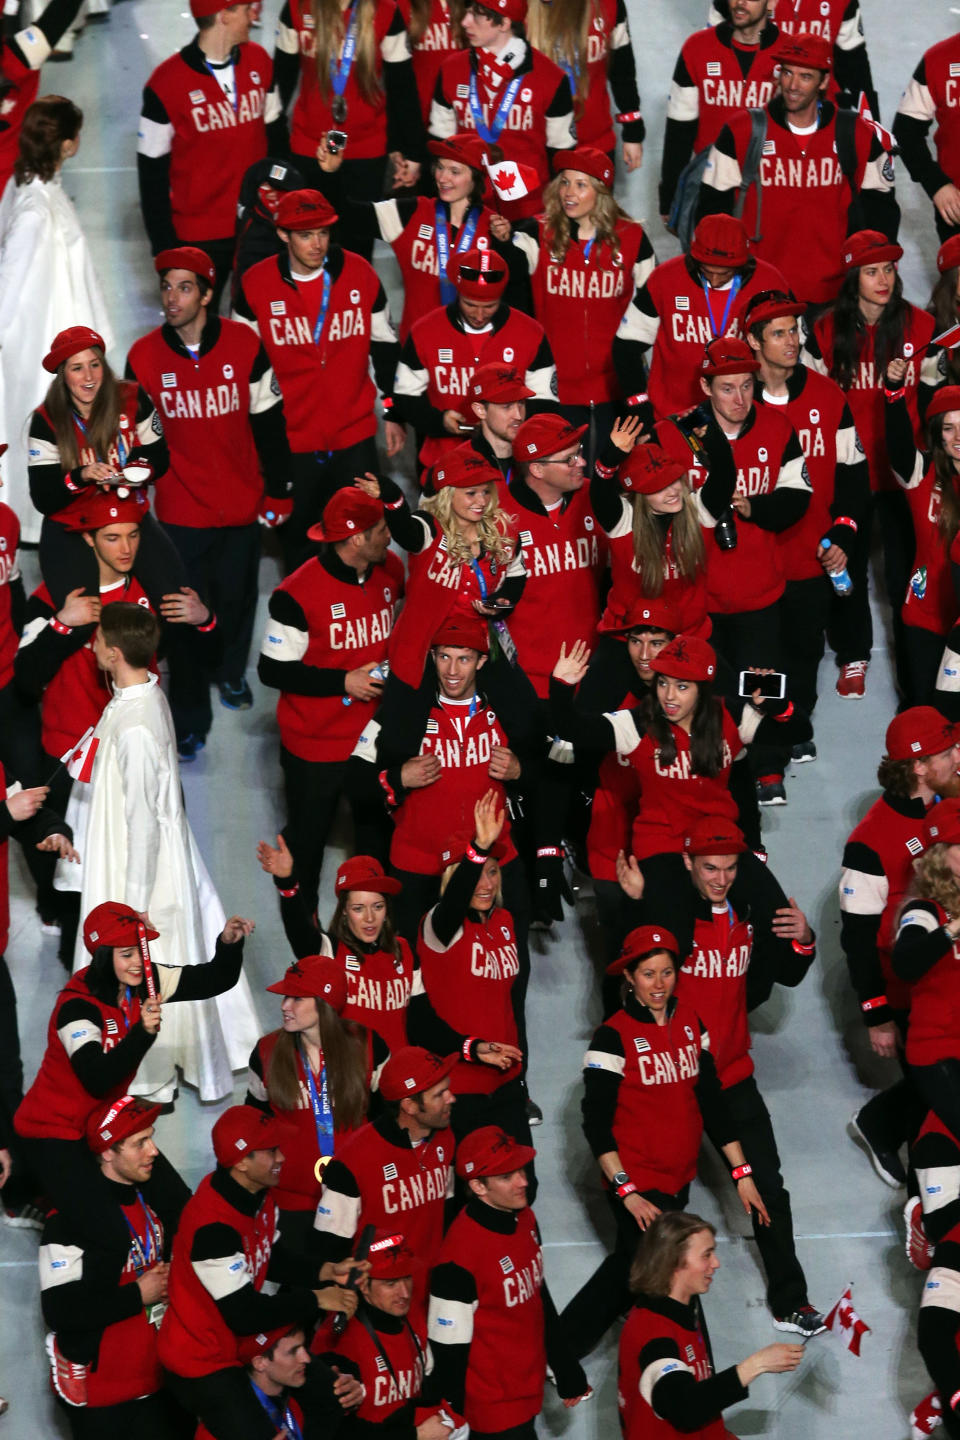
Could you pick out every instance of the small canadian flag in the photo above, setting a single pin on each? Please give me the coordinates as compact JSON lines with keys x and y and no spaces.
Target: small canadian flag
{"x":948,"y":339}
{"x":512,"y":181}
{"x":865,"y":113}
{"x":844,"y":1322}
{"x":79,"y":759}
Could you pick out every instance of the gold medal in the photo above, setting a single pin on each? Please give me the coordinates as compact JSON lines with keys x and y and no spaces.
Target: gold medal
{"x":320,"y":1166}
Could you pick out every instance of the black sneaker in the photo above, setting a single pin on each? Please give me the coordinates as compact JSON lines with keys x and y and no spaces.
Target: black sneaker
{"x":236,"y":696}
{"x":885,"y":1162}
{"x":534,"y":1113}
{"x":189,"y":747}
{"x":806,"y":1322}
{"x":770,"y":790}
{"x":803,"y":753}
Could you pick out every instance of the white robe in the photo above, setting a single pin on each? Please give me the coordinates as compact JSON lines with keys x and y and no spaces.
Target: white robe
{"x":136,"y":846}
{"x":47,"y":282}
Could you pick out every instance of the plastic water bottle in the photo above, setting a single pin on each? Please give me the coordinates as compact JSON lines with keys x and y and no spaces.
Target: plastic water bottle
{"x":840,"y":579}
{"x":379,"y":672}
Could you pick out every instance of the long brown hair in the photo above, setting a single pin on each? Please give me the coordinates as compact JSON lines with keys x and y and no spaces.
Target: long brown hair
{"x":46,"y":124}
{"x":330,"y":30}
{"x":945,"y":311}
{"x":561,"y":30}
{"x":340,"y":926}
{"x":661,"y":1250}
{"x":946,"y":482}
{"x":606,"y":212}
{"x":420,"y":19}
{"x":650,"y":545}
{"x":344,"y":1047}
{"x":706,"y":730}
{"x":104,"y":421}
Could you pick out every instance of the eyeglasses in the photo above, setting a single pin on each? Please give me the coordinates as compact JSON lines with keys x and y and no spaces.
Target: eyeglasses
{"x":570,"y":460}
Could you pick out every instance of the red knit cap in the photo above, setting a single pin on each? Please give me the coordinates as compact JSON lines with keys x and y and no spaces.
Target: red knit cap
{"x":645,"y":940}
{"x":641,"y":614}
{"x":649,"y":469}
{"x":728,"y":356}
{"x":588,"y":161}
{"x":869,"y":247}
{"x":942,"y":400}
{"x":465,"y":632}
{"x":687,"y":657}
{"x":949,"y":254}
{"x":713,"y":835}
{"x":720,"y":240}
{"x":481,"y":275}
{"x":770,"y":305}
{"x":466,"y":148}
{"x":103,"y":507}
{"x":305,"y":210}
{"x":348,"y":512}
{"x":804,"y":52}
{"x":463,"y":468}
{"x":499,"y":384}
{"x":544,"y":435}
{"x":187,"y":257}
{"x":200,"y":9}
{"x":71,"y":342}
{"x":363,"y":872}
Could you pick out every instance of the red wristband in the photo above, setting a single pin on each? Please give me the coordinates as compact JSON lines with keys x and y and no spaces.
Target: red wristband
{"x":287,"y":894}
{"x":785,"y":714}
{"x":801,"y":949}
{"x":875,"y":1003}
{"x":954,"y":1399}
{"x":465,"y":1047}
{"x":892,"y":395}
{"x":638,"y":399}
{"x":628,"y":1188}
{"x":550,"y":850}
{"x":476,"y":856}
{"x":208,"y":625}
{"x":60,"y":628}
{"x":627,"y":116}
{"x":740,"y":1172}
{"x":388,"y":789}
{"x":846,"y":520}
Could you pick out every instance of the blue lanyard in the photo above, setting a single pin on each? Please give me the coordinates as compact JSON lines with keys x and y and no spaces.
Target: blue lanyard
{"x":320,"y":1105}
{"x":570,"y":68}
{"x":235,"y":97}
{"x":448,"y":291}
{"x":143,"y":1259}
{"x":121,"y":448}
{"x":587,"y":247}
{"x":283,"y":1419}
{"x":734,"y":287}
{"x":492,"y":135}
{"x":324,"y":305}
{"x":340,"y":69}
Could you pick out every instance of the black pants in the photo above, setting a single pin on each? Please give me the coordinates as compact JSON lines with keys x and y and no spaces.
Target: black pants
{"x":616,"y":916}
{"x":316,"y":475}
{"x":896,"y":1114}
{"x":939,"y":1088}
{"x":922,"y":653}
{"x":748,"y":640}
{"x":355,"y":180}
{"x":805,"y":612}
{"x":155,"y":1417}
{"x":421,"y":892}
{"x":750,"y":1123}
{"x":22,"y":759}
{"x":222,"y":566}
{"x":68,"y":563}
{"x":606,"y":1295}
{"x":526,"y":1431}
{"x":850,"y":632}
{"x":313,"y":789}
{"x":22,"y":1185}
{"x":221,"y":252}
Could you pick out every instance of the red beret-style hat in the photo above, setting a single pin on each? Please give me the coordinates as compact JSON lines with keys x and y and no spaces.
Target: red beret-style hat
{"x":187,"y":257}
{"x":305,"y":210}
{"x":348,"y":512}
{"x":71,"y":342}
{"x":588,"y":161}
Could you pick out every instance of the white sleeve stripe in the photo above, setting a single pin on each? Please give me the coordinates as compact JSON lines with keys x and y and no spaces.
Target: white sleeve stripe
{"x":286,"y":39}
{"x":917,"y":102}
{"x":433,"y":941}
{"x":255,"y":1085}
{"x":923,"y":918}
{"x":603,"y":1060}
{"x":43,"y":452}
{"x":750,"y":721}
{"x":366,"y":746}
{"x":684,"y":102}
{"x":850,"y":34}
{"x":284,"y":642}
{"x":450,"y":1322}
{"x":542,"y":382}
{"x":381,"y":327}
{"x":262,"y":394}
{"x":942,"y":1289}
{"x":846,"y":446}
{"x":223,"y":1276}
{"x":416,"y":987}
{"x":410,"y":382}
{"x":793,"y":475}
{"x":154,"y":139}
{"x":337,"y":1214}
{"x":169,"y":977}
{"x":33,"y":628}
{"x":388,"y":219}
{"x":80,"y":1033}
{"x":863,"y":894}
{"x":531,"y":249}
{"x":561,"y":132}
{"x":939,"y":1186}
{"x":654,"y":1372}
{"x":272,"y":109}
{"x":59,"y":1265}
{"x":395,"y":48}
{"x":948,"y":676}
{"x":35,"y":46}
{"x":625,"y":736}
{"x":624,"y":525}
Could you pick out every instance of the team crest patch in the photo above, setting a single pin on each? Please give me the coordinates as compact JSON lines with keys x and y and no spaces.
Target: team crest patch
{"x":381,"y":1362}
{"x":278,"y":307}
{"x":954,"y":71}
{"x":642,"y":1045}
{"x":278,"y":172}
{"x":339,"y":610}
{"x":354,"y":297}
{"x":425,"y":232}
{"x":526,"y":96}
{"x":433,"y":727}
{"x":526,"y":537}
{"x":445,"y":357}
{"x":463,"y":91}
{"x":915,"y":845}
{"x":814,"y":417}
{"x":506,"y":1265}
{"x":390,"y":1172}
{"x":681,"y":302}
{"x":691,"y":1356}
{"x":769,"y":147}
{"x":351,"y":963}
{"x":713,"y":67}
{"x":196,"y":97}
{"x":168,"y":380}
{"x":112,"y":1027}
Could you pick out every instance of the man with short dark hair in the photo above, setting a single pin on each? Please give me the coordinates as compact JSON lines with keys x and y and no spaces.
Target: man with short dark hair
{"x":277,"y":1362}
{"x":208,"y":113}
{"x":104,"y":1306}
{"x":211,"y":383}
{"x":817,"y":161}
{"x":325,"y":641}
{"x":497,"y":402}
{"x":489,"y":1300}
{"x":323,"y":317}
{"x":395,"y":1171}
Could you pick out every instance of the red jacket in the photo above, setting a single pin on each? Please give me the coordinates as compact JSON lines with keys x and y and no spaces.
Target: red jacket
{"x":673,"y":797}
{"x":435,"y":45}
{"x":935,"y":995}
{"x":580,"y":301}
{"x":539,"y":121}
{"x":378,"y":989}
{"x":713,"y":980}
{"x":391,"y":1360}
{"x":661,"y":1337}
{"x":9,"y":572}
{"x":323,"y":623}
{"x":414,"y":243}
{"x":209,"y":142}
{"x":285,"y":311}
{"x":930,"y":602}
{"x":687,"y":595}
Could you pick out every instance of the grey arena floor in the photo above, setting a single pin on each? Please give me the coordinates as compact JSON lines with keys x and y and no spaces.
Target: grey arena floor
{"x":812,"y":1063}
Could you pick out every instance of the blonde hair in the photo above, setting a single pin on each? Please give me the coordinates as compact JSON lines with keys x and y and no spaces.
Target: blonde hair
{"x":606,"y":212}
{"x":493,"y":527}
{"x":935,"y":881}
{"x":561,"y":31}
{"x":329,"y":31}
{"x":447,"y":875}
{"x":649,"y":543}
